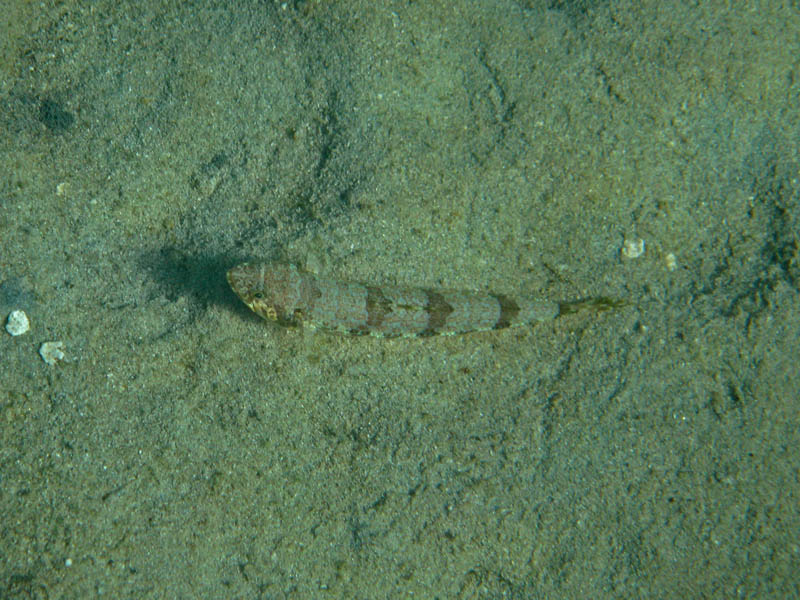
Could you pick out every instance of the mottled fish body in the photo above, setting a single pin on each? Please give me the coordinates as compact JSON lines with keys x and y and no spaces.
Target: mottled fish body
{"x":284,"y":293}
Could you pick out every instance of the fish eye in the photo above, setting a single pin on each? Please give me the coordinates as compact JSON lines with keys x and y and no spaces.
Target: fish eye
{"x":258,"y":295}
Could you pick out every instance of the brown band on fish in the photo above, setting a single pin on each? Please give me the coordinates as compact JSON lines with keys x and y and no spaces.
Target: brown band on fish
{"x":438,"y":310}
{"x":509,"y":310}
{"x":378,"y":307}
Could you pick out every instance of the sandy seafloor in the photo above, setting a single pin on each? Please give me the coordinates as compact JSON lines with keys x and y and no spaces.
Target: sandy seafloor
{"x":185,"y":449}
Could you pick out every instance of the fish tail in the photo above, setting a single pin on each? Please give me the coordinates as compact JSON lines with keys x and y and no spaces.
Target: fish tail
{"x":599,"y":304}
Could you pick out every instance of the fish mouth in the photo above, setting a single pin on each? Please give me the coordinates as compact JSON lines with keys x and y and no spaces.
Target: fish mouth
{"x":237,"y":279}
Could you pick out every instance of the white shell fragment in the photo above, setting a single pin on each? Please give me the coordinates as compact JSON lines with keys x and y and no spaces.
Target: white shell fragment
{"x":17,"y":322}
{"x":633,"y":248}
{"x":51,"y":352}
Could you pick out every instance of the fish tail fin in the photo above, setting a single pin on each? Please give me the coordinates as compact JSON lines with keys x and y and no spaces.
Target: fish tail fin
{"x":599,"y":304}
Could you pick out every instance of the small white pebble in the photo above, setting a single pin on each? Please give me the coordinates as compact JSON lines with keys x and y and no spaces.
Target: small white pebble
{"x":51,"y":352}
{"x":17,"y":322}
{"x":672,"y":262}
{"x":68,"y":562}
{"x":633,"y":248}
